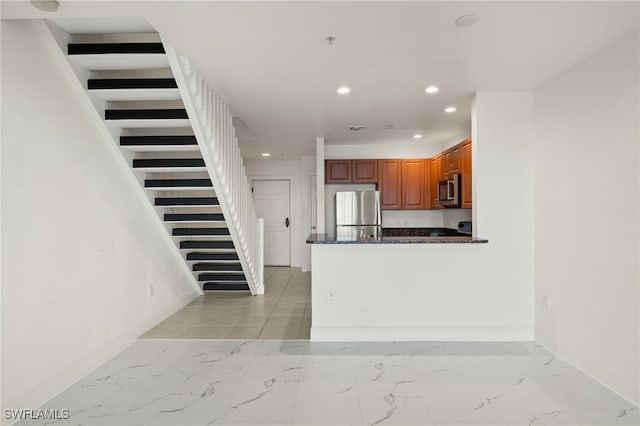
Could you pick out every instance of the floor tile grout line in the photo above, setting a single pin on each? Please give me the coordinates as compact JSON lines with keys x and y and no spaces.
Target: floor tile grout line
{"x":306,"y":303}
{"x":274,"y":306}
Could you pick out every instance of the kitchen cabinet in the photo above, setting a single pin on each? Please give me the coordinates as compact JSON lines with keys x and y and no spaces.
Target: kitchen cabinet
{"x":390,"y":183}
{"x":337,"y":171}
{"x":351,"y":171}
{"x":466,"y":170}
{"x":414,"y":195}
{"x":451,"y":161}
{"x":436,"y":175}
{"x":364,"y":171}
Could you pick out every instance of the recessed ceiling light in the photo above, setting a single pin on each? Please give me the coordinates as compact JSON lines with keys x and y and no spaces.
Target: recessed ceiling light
{"x":466,"y":20}
{"x":344,"y":90}
{"x":450,"y":109}
{"x":266,"y":154}
{"x":388,"y":126}
{"x":357,"y":128}
{"x":417,"y":136}
{"x":431,"y":89}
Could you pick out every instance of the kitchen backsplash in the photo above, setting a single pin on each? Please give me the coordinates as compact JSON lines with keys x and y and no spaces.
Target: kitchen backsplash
{"x":451,"y":217}
{"x":412,"y":219}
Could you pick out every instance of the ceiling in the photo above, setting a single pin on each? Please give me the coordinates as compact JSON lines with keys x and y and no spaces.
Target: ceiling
{"x":271,"y":62}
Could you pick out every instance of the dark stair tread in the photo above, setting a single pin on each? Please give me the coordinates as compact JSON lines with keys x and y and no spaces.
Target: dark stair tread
{"x":146,"y":114}
{"x":212,"y":256}
{"x":113,"y":48}
{"x":158,"y":140}
{"x":186,"y":201}
{"x":177,"y":232}
{"x":217,"y":267}
{"x":131,"y":83}
{"x":176,"y":183}
{"x":215,"y":217}
{"x":206,"y":244}
{"x":224,"y":287}
{"x":168,"y":162}
{"x":221,"y":277}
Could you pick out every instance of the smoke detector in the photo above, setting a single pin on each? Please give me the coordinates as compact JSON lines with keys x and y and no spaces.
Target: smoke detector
{"x":466,"y":21}
{"x":357,"y":128}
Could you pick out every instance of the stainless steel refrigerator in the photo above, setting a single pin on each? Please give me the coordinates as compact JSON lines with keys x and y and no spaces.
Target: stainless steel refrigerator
{"x":358,"y":215}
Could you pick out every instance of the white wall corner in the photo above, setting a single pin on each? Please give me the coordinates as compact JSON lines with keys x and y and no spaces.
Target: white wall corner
{"x":320,"y":154}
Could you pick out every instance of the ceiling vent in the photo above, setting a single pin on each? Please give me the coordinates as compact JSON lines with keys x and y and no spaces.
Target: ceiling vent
{"x":357,"y":128}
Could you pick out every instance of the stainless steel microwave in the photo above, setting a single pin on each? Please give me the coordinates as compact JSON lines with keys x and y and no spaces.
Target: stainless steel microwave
{"x":449,"y":191}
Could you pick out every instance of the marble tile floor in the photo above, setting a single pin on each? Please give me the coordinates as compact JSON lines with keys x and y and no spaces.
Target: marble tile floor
{"x":297,"y":382}
{"x":283,"y":312}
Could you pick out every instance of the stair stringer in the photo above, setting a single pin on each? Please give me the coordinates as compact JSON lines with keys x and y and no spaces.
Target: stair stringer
{"x":212,"y":125}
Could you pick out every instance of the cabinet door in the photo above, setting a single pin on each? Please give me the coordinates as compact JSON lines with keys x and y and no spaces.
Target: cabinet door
{"x":337,"y":171}
{"x":436,"y":175}
{"x":452,"y":161}
{"x":365,"y":171}
{"x":389,"y":183}
{"x":466,"y":176}
{"x":413,"y":195}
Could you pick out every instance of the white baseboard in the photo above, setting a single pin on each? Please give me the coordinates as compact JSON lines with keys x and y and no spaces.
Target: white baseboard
{"x":523,"y":333}
{"x":59,"y":381}
{"x":602,"y":378}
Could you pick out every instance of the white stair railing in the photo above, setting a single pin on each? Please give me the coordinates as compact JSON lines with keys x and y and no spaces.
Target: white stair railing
{"x":213,"y":127}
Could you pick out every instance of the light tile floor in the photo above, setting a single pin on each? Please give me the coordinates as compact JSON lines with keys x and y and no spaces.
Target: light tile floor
{"x":297,"y":382}
{"x":283,"y":312}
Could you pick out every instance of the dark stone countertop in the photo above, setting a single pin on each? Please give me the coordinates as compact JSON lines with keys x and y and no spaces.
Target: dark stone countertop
{"x":400,"y":239}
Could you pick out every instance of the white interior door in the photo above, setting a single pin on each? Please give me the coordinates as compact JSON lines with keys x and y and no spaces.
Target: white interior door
{"x":271,"y":199}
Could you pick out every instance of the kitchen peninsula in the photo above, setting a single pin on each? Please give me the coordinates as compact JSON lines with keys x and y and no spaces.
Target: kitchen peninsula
{"x":398,"y":288}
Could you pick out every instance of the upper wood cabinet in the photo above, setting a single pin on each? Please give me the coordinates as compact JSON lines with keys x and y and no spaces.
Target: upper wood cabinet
{"x":365,"y":171}
{"x":436,"y":175}
{"x":466,"y":170}
{"x":451,"y":161}
{"x":408,"y":183}
{"x":337,"y":171}
{"x":348,"y":171}
{"x":413,"y":184}
{"x":390,"y":183}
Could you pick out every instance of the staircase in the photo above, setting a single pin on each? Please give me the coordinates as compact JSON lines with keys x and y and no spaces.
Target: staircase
{"x":196,"y":193}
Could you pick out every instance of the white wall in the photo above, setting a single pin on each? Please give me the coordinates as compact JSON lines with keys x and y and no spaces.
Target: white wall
{"x":587,"y":216}
{"x":298,"y":172}
{"x":415,"y":148}
{"x":446,"y":291}
{"x":80,"y":247}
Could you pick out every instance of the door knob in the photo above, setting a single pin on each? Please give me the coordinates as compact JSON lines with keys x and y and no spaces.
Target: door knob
{"x":286,"y":222}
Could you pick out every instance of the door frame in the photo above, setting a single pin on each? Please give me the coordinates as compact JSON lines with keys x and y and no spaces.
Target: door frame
{"x":292,"y":209}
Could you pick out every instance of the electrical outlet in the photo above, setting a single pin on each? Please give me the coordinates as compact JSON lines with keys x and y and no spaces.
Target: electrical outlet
{"x":331,"y":297}
{"x":150,"y":290}
{"x":546,"y":302}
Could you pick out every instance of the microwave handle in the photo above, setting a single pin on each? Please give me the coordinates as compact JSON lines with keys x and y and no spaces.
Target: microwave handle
{"x":450,"y":189}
